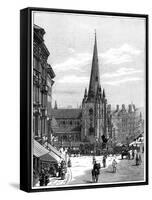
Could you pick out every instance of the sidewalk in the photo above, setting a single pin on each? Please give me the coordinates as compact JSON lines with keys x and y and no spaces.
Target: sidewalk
{"x":53,"y":181}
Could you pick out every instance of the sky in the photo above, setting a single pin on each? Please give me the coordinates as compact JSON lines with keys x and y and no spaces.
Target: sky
{"x":121,"y":53}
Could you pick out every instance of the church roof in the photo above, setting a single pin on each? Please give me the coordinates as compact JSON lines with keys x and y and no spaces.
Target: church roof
{"x":66,"y":113}
{"x":68,"y":129}
{"x":63,"y":129}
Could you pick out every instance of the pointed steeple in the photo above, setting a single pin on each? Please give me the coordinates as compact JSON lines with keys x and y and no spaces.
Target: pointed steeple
{"x":95,"y":77}
{"x":104,"y":95}
{"x":85,"y":93}
{"x":55,"y":105}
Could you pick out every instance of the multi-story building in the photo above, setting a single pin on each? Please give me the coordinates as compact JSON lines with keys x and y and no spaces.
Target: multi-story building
{"x":42,"y":87}
{"x":127,"y":124}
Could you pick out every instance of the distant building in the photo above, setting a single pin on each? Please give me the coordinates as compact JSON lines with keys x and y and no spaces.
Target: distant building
{"x":68,"y":127}
{"x":89,"y":123}
{"x":127,"y":124}
{"x":43,"y":75}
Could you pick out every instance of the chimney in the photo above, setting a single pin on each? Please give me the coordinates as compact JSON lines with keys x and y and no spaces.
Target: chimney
{"x":123,"y":107}
{"x":129,"y":108}
{"x":117,"y":108}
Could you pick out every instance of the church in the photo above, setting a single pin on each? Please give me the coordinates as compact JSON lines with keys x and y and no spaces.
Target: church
{"x":88,"y":124}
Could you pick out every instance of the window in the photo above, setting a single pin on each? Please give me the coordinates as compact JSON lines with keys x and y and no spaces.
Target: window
{"x":91,"y":130}
{"x":36,"y":64}
{"x":90,"y":111}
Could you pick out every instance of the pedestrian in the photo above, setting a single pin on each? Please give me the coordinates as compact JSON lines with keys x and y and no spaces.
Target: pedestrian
{"x":137,"y":159}
{"x":42,"y":178}
{"x":59,"y":170}
{"x":128,"y":155}
{"x":95,"y":172}
{"x":140,"y":160}
{"x":93,"y":160}
{"x":104,"y":161}
{"x":130,"y":152}
{"x":114,"y":165}
{"x":69,"y":163}
{"x":143,"y":149}
{"x":133,"y":154}
{"x":46,"y":181}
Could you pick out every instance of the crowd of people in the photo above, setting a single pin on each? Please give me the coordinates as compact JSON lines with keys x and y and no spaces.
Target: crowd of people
{"x":53,"y":170}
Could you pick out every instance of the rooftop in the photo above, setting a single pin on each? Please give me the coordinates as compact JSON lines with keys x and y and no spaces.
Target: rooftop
{"x":67,"y":113}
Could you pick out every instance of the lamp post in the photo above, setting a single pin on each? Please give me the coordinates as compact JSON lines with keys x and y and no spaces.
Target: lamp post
{"x":95,"y":145}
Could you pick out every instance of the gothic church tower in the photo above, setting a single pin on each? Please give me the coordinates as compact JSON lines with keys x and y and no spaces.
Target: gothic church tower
{"x":94,"y":105}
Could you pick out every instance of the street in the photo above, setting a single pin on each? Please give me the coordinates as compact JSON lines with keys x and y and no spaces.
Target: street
{"x":80,"y":172}
{"x":126,"y":170}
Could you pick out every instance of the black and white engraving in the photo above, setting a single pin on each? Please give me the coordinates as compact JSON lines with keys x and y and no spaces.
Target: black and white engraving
{"x":88,"y":118}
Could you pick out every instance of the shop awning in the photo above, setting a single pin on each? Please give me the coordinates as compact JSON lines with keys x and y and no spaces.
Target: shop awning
{"x":38,"y":149}
{"x":51,"y":157}
{"x":45,"y":155}
{"x":55,"y":151}
{"x":48,"y":158}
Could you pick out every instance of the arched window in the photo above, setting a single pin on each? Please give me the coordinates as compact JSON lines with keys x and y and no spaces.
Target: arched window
{"x":90,"y":111}
{"x":65,"y":138}
{"x":91,"y":130}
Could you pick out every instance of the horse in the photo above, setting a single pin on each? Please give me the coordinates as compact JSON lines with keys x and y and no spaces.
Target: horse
{"x":95,"y":175}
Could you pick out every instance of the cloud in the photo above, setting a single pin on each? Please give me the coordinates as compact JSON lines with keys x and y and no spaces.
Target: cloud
{"x":120,"y":55}
{"x":124,"y":80}
{"x":75,"y":62}
{"x":67,"y":92}
{"x":121,"y":72}
{"x":78,"y":61}
{"x":73,"y":79}
{"x":71,"y":50}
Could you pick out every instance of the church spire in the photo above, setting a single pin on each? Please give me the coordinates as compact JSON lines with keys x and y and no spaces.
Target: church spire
{"x":104,"y":95}
{"x":85,"y":93}
{"x":95,"y":77}
{"x":55,"y":105}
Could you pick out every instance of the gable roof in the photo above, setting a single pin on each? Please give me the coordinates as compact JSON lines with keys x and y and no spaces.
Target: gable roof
{"x":67,"y":113}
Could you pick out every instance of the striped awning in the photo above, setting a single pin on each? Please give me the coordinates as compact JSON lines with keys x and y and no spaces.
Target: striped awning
{"x":38,"y":149}
{"x":45,"y":155}
{"x":55,"y":151}
{"x":48,"y":158}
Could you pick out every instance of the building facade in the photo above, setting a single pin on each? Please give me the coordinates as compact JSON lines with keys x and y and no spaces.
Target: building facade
{"x":127,"y":124}
{"x":43,"y":75}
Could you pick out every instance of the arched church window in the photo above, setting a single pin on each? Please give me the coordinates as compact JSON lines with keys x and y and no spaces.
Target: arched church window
{"x":90,"y":111}
{"x":91,"y":130}
{"x":65,"y":138}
